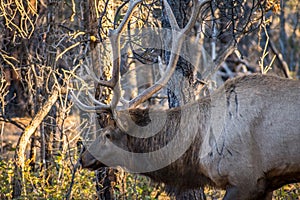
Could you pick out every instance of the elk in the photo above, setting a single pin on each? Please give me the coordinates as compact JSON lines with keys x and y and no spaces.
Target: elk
{"x":243,"y":138}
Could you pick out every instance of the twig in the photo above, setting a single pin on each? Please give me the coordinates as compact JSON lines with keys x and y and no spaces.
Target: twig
{"x":265,"y":69}
{"x":1,"y":136}
{"x":77,"y":165}
{"x":282,"y":63}
{"x":8,"y":120}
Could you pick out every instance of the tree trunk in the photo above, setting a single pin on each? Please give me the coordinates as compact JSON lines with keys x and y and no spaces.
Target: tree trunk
{"x":282,"y":33}
{"x":183,"y":92}
{"x":105,"y":177}
{"x":180,"y":87}
{"x":24,"y":140}
{"x":31,"y":128}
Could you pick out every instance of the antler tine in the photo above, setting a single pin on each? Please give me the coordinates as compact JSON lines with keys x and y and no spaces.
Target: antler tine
{"x":114,"y":37}
{"x":88,"y":108}
{"x":195,"y":12}
{"x":171,"y":17}
{"x":178,"y":36}
{"x":97,"y":103}
{"x":132,"y":5}
{"x":92,"y":74}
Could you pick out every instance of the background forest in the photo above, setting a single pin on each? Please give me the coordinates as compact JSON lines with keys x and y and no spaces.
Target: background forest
{"x":50,"y":48}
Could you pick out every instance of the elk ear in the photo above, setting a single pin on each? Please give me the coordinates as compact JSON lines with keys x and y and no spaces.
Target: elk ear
{"x":140,"y":116}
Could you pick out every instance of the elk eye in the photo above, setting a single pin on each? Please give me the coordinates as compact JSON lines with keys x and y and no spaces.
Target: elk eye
{"x":108,"y":136}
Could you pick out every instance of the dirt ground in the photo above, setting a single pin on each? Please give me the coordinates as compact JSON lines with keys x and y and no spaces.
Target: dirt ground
{"x":9,"y":136}
{"x":10,"y":133}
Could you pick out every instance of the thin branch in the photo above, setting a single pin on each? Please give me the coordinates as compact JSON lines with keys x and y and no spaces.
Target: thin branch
{"x":282,"y":63}
{"x":8,"y":120}
{"x":76,"y":167}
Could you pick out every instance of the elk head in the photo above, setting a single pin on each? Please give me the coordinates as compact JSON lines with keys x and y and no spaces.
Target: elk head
{"x":125,"y":121}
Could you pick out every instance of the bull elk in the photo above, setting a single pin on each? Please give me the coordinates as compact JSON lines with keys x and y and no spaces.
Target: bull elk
{"x":243,"y":138}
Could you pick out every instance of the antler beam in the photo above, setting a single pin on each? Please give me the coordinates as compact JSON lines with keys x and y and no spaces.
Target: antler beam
{"x":178,"y":36}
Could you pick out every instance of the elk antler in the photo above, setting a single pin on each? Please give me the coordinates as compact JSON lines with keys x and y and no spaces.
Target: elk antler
{"x":178,"y":36}
{"x":114,"y":37}
{"x":114,"y":82}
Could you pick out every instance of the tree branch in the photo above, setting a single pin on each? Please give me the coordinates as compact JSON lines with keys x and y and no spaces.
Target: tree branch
{"x":31,"y":128}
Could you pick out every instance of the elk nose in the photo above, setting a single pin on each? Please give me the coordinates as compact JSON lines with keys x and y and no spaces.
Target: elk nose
{"x":82,"y":160}
{"x":82,"y":150}
{"x":79,"y":163}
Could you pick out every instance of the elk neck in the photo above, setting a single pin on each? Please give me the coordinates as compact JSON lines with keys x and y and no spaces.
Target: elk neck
{"x":191,"y":121}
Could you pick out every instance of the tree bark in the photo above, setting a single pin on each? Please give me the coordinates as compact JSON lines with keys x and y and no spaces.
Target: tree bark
{"x":18,"y":182}
{"x":31,"y":128}
{"x":282,"y":33}
{"x":105,"y":177}
{"x":180,"y":87}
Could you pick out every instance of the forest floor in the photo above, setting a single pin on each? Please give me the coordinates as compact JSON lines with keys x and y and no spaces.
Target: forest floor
{"x":10,"y":135}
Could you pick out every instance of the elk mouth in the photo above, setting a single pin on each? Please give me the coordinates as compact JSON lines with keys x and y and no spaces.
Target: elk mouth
{"x":88,"y":161}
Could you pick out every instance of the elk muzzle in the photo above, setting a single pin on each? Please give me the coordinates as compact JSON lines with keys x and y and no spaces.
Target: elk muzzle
{"x":88,"y":161}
